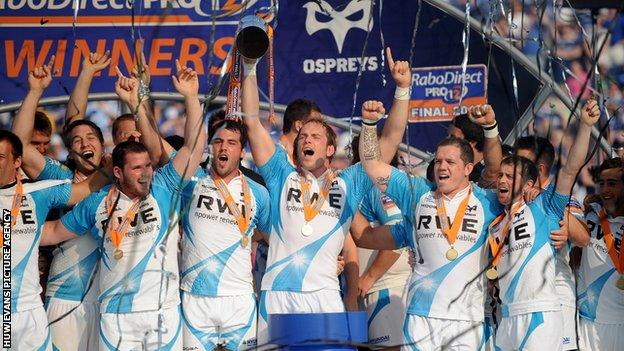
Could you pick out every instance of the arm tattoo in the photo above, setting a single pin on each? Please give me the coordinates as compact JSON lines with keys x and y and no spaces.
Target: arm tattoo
{"x":370,"y":150}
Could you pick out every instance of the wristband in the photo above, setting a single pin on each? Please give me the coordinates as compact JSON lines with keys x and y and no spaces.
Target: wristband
{"x":490,"y":131}
{"x":249,"y":69}
{"x":402,"y":93}
{"x":367,"y":122}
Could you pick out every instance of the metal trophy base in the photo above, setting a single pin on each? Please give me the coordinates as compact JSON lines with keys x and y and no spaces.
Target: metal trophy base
{"x":318,"y":331}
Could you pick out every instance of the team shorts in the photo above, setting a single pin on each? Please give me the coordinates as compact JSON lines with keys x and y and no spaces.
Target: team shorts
{"x":434,"y":334}
{"x":229,"y":321}
{"x":274,"y":302}
{"x":386,"y":310}
{"x":29,"y":330}
{"x":569,"y":328}
{"x":75,"y":325}
{"x":599,"y":336}
{"x":531,"y":331}
{"x":147,"y":330}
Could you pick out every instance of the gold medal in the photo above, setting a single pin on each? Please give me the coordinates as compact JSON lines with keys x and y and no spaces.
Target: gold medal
{"x":307,"y":230}
{"x":118,"y":254}
{"x":244,"y":241}
{"x":451,"y":254}
{"x":491,"y":273}
{"x":620,"y":283}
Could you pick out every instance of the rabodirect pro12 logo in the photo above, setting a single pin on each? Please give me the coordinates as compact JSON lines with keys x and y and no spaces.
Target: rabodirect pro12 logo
{"x":323,"y":19}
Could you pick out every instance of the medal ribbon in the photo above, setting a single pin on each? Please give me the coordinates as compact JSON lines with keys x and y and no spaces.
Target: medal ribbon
{"x":234,"y":88}
{"x":15,"y":204}
{"x":272,"y":118}
{"x":118,"y":233}
{"x":451,"y":231}
{"x":242,"y":219}
{"x":618,"y":262}
{"x":497,"y":237}
{"x":310,"y":211}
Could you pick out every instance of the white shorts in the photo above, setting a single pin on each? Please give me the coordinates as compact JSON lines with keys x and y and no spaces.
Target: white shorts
{"x":75,"y":325}
{"x":136,"y":331}
{"x":531,"y":331}
{"x":433,"y":334}
{"x":29,"y":331}
{"x":599,"y":337}
{"x":229,"y":321}
{"x":386,"y":314}
{"x":569,"y":328}
{"x":275,"y":302}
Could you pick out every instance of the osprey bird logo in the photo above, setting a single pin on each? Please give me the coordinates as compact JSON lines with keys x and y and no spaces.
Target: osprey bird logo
{"x":357,"y":14}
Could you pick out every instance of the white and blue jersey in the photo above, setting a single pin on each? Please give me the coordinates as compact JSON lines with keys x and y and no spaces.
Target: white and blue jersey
{"x":527,"y":265}
{"x":599,"y":299}
{"x":75,"y":261}
{"x":147,"y":274}
{"x":439,"y":288}
{"x":37,"y":200}
{"x":214,"y":263}
{"x":299,"y":263}
{"x":380,"y":209}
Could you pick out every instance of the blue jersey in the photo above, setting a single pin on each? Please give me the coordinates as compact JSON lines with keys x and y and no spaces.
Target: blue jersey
{"x":145,"y":278}
{"x":299,"y":261}
{"x":440,"y":288}
{"x":75,"y":261}
{"x":214,"y":260}
{"x":37,"y":200}
{"x":527,"y":274}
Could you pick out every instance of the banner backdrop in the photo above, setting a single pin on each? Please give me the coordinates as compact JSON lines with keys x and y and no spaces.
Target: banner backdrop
{"x":320,"y":46}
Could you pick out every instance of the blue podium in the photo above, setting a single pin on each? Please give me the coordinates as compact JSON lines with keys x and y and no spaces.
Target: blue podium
{"x":318,"y":331}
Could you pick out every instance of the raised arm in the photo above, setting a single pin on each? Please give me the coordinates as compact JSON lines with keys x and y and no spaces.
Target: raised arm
{"x":127,"y":88}
{"x":262,"y":146}
{"x":189,"y":156}
{"x":590,"y":113}
{"x":370,"y":153}
{"x":93,"y":183}
{"x":394,"y":128}
{"x":91,"y":66}
{"x":492,"y":150}
{"x":38,"y":81}
{"x":54,"y":232}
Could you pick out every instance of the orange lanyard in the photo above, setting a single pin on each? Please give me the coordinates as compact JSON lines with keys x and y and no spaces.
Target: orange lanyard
{"x":118,"y":233}
{"x":234,"y":89}
{"x":16,"y":203}
{"x":243,"y":218}
{"x":310,"y":211}
{"x":618,"y":262}
{"x":450,"y":231}
{"x":497,"y":237}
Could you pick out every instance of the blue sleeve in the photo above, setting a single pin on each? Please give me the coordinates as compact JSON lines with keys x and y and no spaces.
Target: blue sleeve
{"x":406,"y":189}
{"x":276,"y":170}
{"x":263,"y":209}
{"x":57,"y":196}
{"x":489,"y":199}
{"x":168,"y":178}
{"x":380,"y":208}
{"x":553,"y":202}
{"x":53,"y":169}
{"x":358,"y":184}
{"x":82,"y":217}
{"x":400,"y":234}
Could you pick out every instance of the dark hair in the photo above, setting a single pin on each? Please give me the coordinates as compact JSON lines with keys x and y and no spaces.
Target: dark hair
{"x":81,"y":122}
{"x":542,"y":148}
{"x":42,"y":123}
{"x":126,"y":147}
{"x":355,"y":150}
{"x":215,"y":118}
{"x":231,"y":125}
{"x":329,"y":133}
{"x":16,"y":144}
{"x":118,"y":120}
{"x":298,"y":110}
{"x":175,"y":141}
{"x":473,"y":132}
{"x":465,"y":150}
{"x":527,"y":167}
{"x":615,"y":162}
